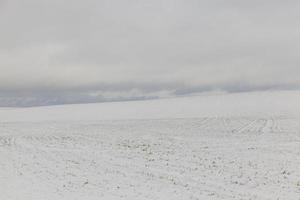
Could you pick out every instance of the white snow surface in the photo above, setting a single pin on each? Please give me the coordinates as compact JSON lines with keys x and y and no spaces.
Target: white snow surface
{"x":226,"y":146}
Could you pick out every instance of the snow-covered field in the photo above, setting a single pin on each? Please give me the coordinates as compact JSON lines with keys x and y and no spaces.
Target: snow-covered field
{"x":229,"y":146}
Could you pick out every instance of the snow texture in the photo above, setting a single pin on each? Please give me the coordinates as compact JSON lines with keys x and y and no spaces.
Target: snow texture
{"x":230,"y":146}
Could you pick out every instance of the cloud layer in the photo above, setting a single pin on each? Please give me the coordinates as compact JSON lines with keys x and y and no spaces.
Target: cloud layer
{"x":57,"y":51}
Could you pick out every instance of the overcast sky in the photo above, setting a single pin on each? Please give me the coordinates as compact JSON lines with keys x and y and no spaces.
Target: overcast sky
{"x":72,"y":51}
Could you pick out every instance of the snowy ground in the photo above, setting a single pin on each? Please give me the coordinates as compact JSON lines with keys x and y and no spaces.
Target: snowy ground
{"x":238,"y":146}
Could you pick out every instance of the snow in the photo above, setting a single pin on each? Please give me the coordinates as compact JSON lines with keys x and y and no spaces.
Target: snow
{"x":228,"y":146}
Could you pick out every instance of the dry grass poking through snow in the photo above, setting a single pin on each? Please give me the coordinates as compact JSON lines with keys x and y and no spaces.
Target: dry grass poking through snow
{"x":197,"y":158}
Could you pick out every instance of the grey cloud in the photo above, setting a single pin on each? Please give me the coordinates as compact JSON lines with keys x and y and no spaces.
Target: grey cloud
{"x":56,"y":51}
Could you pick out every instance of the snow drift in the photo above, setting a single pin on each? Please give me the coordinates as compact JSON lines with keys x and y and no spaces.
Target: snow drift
{"x":255,"y":103}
